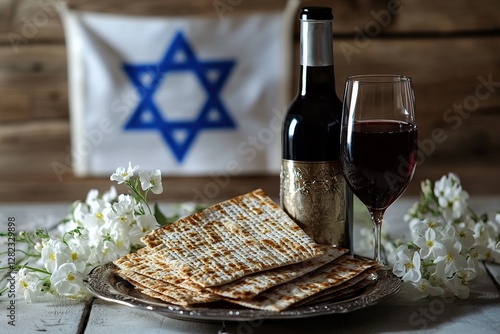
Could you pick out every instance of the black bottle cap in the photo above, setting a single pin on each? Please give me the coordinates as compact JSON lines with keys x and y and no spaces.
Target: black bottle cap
{"x":316,"y":13}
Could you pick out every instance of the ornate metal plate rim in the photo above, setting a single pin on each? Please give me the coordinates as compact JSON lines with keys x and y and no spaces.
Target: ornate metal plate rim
{"x":104,"y":284}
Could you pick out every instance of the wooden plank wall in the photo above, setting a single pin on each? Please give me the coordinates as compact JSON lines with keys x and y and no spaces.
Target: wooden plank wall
{"x":450,"y":48}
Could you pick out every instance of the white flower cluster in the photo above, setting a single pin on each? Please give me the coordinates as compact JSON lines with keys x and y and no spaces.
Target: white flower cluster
{"x":98,"y":230}
{"x":448,"y":240}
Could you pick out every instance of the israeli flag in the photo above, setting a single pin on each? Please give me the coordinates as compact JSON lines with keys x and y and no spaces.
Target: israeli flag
{"x":187,"y":95}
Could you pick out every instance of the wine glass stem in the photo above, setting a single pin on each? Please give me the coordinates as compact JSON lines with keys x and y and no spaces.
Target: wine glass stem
{"x":377,"y":217}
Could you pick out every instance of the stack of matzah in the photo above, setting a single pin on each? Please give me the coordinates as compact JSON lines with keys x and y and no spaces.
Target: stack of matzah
{"x":246,"y":251}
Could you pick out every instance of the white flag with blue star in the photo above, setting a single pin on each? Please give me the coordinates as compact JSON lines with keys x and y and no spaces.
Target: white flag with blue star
{"x":191,"y":96}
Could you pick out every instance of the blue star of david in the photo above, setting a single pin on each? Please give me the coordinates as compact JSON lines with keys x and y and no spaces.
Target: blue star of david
{"x":212,"y":75}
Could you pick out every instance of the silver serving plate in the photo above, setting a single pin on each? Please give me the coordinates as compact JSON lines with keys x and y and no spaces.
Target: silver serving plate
{"x":105,"y":284}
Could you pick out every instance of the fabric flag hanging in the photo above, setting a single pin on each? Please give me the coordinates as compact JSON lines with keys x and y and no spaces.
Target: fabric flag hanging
{"x":188,"y":95}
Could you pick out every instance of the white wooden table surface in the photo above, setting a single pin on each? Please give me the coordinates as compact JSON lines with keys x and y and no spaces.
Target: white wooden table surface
{"x":478,"y":314}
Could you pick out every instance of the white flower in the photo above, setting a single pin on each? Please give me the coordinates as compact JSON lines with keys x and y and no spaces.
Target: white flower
{"x":80,"y":253}
{"x":429,"y":246}
{"x":98,"y":230}
{"x":65,"y":227}
{"x":96,"y":220}
{"x":29,"y":285}
{"x":122,"y":175}
{"x":92,"y":196}
{"x":493,"y":232}
{"x":451,"y":198}
{"x":452,"y":261}
{"x":412,"y":212}
{"x":427,"y":289}
{"x":80,"y":211}
{"x":107,"y":197}
{"x":68,"y":281}
{"x":110,"y":195}
{"x":54,"y":254}
{"x":38,"y":246}
{"x":407,"y":265}
{"x":481,"y":234}
{"x":147,"y":223}
{"x":390,"y":252}
{"x":465,"y":236}
{"x":420,"y":227}
{"x":121,"y":240}
{"x":435,"y":280}
{"x":459,"y":283}
{"x":473,"y":263}
{"x":451,"y":238}
{"x":480,"y":252}
{"x":496,"y":253}
{"x":487,"y":233}
{"x":98,"y":211}
{"x":144,"y":224}
{"x":123,"y":209}
{"x":108,"y":251}
{"x":151,"y":180}
{"x":426,"y":188}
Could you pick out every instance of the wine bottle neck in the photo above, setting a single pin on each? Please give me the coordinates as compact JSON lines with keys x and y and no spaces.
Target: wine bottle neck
{"x":316,"y":47}
{"x":316,"y":80}
{"x":316,"y":57}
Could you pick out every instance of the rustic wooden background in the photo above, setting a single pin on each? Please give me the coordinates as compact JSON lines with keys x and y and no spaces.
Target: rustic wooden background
{"x":451,"y":49}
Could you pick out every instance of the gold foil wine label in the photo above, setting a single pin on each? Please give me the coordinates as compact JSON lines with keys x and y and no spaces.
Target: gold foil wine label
{"x":313,"y":194}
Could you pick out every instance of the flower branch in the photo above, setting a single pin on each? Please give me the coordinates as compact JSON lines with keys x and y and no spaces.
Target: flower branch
{"x":100,"y":229}
{"x":448,"y":239}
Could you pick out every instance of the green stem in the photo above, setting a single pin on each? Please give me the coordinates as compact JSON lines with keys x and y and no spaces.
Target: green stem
{"x":472,"y":212}
{"x":137,"y":194}
{"x":28,"y":254}
{"x":428,"y":264}
{"x":29,"y":239}
{"x":43,"y":271}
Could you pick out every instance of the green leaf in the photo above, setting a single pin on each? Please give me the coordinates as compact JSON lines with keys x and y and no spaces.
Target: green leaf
{"x":160,"y":217}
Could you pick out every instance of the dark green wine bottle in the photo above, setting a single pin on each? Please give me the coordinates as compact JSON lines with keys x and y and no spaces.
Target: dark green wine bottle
{"x":312,"y":188}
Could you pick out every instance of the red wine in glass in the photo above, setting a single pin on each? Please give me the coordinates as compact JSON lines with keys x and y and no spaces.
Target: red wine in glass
{"x":378,"y":142}
{"x":380,"y":159}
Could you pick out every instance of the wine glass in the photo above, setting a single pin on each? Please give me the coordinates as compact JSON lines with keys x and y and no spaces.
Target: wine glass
{"x":378,"y":142}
